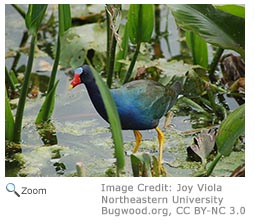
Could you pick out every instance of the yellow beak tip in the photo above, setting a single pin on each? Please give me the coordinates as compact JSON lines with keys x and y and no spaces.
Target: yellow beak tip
{"x":70,"y":87}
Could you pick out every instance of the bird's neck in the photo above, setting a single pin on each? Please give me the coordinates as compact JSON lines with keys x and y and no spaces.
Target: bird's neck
{"x":96,"y":98}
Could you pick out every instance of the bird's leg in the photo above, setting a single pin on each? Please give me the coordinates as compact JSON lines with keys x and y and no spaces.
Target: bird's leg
{"x":161,"y":142}
{"x":167,"y":123}
{"x":138,"y":138}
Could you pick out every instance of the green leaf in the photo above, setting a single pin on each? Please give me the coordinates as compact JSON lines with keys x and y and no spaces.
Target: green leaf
{"x":11,"y":78}
{"x":9,"y":120}
{"x":64,"y":16}
{"x":230,"y":130}
{"x":35,"y":16}
{"x":236,"y":10}
{"x":215,"y":26}
{"x":140,"y":29}
{"x":198,"y":49}
{"x":48,"y":106}
{"x":192,"y":104}
{"x":23,"y":92}
{"x":14,"y":78}
{"x":123,"y":51}
{"x":141,"y":164}
{"x":141,"y":22}
{"x":113,"y":118}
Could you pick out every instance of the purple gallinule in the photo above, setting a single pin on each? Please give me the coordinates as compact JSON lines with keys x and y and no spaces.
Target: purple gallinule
{"x":140,"y":103}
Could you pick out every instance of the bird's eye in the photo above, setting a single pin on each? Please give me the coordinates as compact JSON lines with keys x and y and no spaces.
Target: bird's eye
{"x":78,"y":70}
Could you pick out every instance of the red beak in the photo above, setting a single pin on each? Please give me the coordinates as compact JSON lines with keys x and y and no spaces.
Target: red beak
{"x":75,"y":81}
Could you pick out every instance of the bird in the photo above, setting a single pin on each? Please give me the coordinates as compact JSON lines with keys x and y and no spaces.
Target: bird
{"x":140,"y":103}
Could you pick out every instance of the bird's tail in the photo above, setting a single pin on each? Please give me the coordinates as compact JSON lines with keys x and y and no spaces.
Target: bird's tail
{"x":174,"y":90}
{"x":176,"y":87}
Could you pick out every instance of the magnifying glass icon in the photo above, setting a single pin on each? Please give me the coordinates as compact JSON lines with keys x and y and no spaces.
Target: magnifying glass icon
{"x":10,"y":187}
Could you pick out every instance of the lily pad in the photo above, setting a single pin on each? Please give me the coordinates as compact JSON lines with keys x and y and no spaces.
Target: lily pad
{"x":78,"y":42}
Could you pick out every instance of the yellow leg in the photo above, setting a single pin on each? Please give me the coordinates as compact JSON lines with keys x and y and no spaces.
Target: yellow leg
{"x":161,"y":143}
{"x":138,"y":138}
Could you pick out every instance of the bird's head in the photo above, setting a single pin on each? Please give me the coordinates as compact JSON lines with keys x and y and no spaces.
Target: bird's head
{"x":81,"y":75}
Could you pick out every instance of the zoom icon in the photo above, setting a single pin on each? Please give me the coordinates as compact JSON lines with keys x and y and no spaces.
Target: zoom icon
{"x":10,"y":187}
